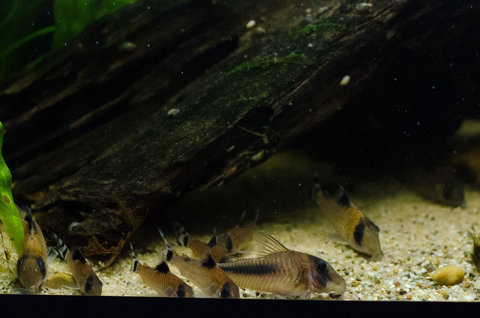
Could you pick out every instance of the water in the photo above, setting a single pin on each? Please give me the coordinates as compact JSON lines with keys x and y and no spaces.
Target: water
{"x":123,"y":116}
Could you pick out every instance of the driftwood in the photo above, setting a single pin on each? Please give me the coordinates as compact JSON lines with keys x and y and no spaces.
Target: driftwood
{"x":162,"y":97}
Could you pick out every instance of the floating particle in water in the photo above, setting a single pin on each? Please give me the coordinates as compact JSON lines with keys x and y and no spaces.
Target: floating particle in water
{"x":363,"y":6}
{"x":127,"y":47}
{"x":258,"y":156}
{"x":345,"y":80}
{"x":260,"y":30}
{"x":173,"y":112}
{"x":322,"y":10}
{"x":250,"y":24}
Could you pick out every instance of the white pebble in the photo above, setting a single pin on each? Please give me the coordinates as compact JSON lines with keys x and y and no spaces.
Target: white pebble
{"x":173,"y":112}
{"x":250,"y":24}
{"x":345,"y":80}
{"x":362,"y":6}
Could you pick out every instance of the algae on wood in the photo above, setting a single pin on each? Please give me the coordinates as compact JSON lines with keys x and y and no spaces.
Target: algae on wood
{"x":99,"y":137}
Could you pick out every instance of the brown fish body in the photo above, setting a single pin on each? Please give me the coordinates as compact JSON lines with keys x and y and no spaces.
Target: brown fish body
{"x":32,"y":265}
{"x":237,"y":238}
{"x":164,"y":282}
{"x":206,"y":274}
{"x":439,"y":184}
{"x":201,"y":249}
{"x":286,"y":272}
{"x":87,"y":281}
{"x":349,"y":222}
{"x":220,"y":250}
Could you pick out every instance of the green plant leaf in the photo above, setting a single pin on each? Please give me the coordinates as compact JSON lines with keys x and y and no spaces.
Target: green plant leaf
{"x":73,"y":16}
{"x":8,"y":210}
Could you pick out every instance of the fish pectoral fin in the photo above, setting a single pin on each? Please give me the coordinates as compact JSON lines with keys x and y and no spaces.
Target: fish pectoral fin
{"x":52,"y":254}
{"x":243,"y":252}
{"x":267,"y":245}
{"x":213,"y":290}
{"x":169,"y":292}
{"x":61,"y":280}
{"x":338,"y":240}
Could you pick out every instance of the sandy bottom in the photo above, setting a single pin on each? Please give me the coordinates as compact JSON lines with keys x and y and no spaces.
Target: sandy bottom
{"x":417,"y":236}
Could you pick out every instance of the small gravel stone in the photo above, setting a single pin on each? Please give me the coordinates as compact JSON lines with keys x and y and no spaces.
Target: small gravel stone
{"x":448,"y":275}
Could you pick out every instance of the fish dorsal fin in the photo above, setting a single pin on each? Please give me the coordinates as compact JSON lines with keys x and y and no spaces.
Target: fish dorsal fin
{"x":182,"y":234}
{"x":208,"y":262}
{"x":162,"y":268}
{"x":242,"y":217}
{"x":269,"y":245}
{"x":213,"y":240}
{"x":257,"y":213}
{"x":77,"y":255}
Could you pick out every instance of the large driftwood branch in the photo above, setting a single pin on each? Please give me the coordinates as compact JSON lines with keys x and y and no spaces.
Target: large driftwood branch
{"x":158,"y":99}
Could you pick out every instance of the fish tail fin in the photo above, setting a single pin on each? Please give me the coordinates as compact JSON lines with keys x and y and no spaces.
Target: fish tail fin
{"x":134,"y":257}
{"x":134,"y":265}
{"x":32,"y":226}
{"x":213,"y":240}
{"x":181,"y":233}
{"x":257,"y":213}
{"x":169,"y":247}
{"x":59,"y":250}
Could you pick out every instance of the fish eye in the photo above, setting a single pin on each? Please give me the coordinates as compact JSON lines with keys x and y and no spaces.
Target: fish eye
{"x":322,"y":266}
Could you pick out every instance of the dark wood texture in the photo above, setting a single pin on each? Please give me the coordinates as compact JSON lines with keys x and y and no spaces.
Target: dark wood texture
{"x":103,"y":132}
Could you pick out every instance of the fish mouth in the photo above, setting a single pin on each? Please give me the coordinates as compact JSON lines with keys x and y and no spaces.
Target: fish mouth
{"x":335,"y":295}
{"x":334,"y":289}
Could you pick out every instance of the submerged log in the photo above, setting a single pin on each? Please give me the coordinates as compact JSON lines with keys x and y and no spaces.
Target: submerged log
{"x":163,"y":97}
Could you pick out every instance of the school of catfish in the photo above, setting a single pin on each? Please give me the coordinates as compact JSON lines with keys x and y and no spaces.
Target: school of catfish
{"x":218,"y":268}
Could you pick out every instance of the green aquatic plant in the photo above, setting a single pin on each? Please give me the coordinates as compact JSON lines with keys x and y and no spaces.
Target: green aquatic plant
{"x":321,"y":26}
{"x":28,"y":33}
{"x":269,"y":61}
{"x":73,"y":16}
{"x":9,"y":214}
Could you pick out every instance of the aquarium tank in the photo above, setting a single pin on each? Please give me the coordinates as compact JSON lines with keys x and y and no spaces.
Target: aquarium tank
{"x":320,"y":150}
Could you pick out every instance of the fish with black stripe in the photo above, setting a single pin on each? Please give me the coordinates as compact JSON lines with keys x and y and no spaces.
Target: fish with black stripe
{"x":205,"y":274}
{"x":349,"y":222}
{"x":285,"y":272}
{"x":86,"y":279}
{"x":238,"y":237}
{"x":32,"y":265}
{"x":161,"y":279}
{"x":230,"y":243}
{"x":199,"y":249}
